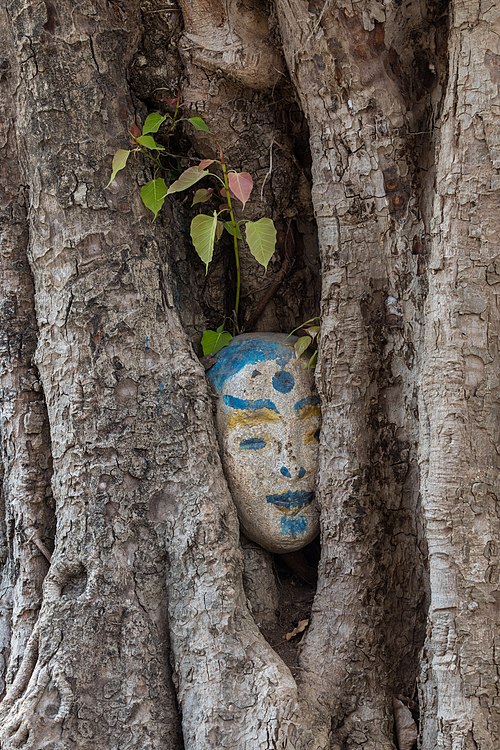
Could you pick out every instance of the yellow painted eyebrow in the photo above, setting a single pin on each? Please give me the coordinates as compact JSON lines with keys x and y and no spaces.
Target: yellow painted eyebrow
{"x":249,"y":418}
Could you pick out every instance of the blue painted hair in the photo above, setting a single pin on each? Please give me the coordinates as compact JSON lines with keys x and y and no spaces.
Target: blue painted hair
{"x":249,"y":349}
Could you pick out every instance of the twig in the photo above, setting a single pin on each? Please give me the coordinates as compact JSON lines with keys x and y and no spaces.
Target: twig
{"x":269,"y":171}
{"x":320,"y":18}
{"x":41,"y":546}
{"x":271,"y":289}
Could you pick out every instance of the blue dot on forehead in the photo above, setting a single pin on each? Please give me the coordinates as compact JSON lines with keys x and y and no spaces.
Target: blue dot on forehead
{"x":283,"y":381}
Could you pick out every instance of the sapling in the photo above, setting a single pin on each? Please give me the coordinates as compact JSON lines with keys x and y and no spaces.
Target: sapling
{"x":309,"y":340}
{"x":206,"y":229}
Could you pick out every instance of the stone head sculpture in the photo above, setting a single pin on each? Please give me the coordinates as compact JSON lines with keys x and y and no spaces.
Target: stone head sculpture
{"x":268,"y":420}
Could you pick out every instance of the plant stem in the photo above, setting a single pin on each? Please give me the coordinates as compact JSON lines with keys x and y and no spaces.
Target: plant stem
{"x":235,"y":241}
{"x":174,"y":118}
{"x":155,"y":160}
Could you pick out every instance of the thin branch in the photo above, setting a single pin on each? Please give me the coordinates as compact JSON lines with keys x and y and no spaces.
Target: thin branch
{"x":41,"y":546}
{"x":269,"y":171}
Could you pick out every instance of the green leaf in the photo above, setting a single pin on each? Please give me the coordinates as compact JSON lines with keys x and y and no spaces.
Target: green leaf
{"x":313,"y":361}
{"x":189,"y":177}
{"x":203,"y":229}
{"x":313,"y":331}
{"x":213,"y":341}
{"x":261,"y":238}
{"x":118,"y":163}
{"x":202,"y":195}
{"x":149,"y":142}
{"x":305,"y":324}
{"x":219,"y":230}
{"x":153,"y":195}
{"x":153,"y":123}
{"x":199,"y":124}
{"x":301,"y":345}
{"x":230,"y":227}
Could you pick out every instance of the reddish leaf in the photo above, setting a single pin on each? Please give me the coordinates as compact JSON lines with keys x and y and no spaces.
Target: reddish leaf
{"x":204,"y":163}
{"x":135,"y":130}
{"x":176,"y":101}
{"x":222,"y":192}
{"x":241,"y":185}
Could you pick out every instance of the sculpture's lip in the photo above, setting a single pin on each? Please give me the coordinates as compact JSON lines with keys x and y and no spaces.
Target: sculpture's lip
{"x":291,"y":502}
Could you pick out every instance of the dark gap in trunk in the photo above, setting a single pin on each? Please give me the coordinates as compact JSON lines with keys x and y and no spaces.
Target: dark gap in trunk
{"x":433,"y":51}
{"x":296,"y":577}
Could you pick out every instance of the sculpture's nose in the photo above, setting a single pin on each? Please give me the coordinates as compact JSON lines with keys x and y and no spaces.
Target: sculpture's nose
{"x":292,"y":463}
{"x":293,"y":471}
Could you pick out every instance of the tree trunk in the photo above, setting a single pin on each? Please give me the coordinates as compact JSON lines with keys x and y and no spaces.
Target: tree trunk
{"x":459,"y":400}
{"x":131,"y":616}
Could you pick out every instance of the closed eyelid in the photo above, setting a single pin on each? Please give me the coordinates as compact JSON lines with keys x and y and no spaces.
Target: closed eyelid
{"x":253,"y":444}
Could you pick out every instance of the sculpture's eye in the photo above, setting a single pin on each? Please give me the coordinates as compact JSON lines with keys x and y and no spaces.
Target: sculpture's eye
{"x":252,"y":444}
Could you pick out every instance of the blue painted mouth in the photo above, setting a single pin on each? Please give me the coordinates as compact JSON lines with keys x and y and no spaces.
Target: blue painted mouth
{"x":291,"y":502}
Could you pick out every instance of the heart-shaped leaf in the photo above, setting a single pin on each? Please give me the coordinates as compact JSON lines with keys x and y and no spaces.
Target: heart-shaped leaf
{"x":149,"y":142}
{"x":261,"y":238}
{"x":203,"y":229}
{"x":199,"y":124}
{"x":153,"y":195}
{"x":202,"y":195}
{"x":153,"y":122}
{"x":204,"y":163}
{"x":189,"y":177}
{"x":118,"y":163}
{"x":213,"y":341}
{"x":241,"y":185}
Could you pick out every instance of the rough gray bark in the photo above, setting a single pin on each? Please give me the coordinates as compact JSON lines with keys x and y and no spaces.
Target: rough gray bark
{"x":149,"y":613}
{"x":459,"y":398}
{"x":26,"y":530}
{"x":95,"y":668}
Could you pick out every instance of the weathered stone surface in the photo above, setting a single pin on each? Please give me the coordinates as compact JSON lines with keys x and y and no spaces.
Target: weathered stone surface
{"x":268,"y":422}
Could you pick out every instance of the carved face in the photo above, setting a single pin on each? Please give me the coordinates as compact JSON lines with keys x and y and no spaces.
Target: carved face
{"x":268,"y":421}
